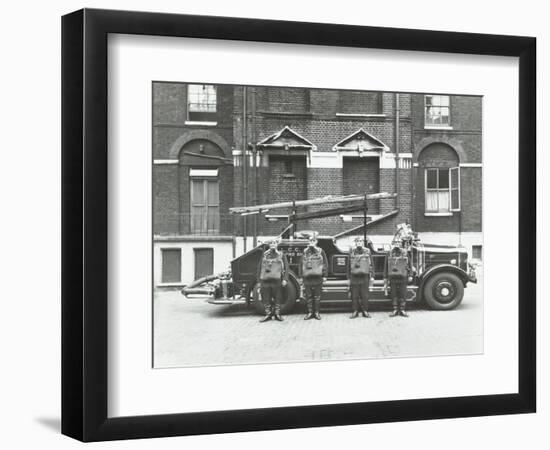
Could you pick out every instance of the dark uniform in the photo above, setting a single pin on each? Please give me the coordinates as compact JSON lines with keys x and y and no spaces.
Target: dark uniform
{"x":273,"y":269}
{"x":397,"y":272}
{"x":313,"y":269}
{"x":360,"y":272}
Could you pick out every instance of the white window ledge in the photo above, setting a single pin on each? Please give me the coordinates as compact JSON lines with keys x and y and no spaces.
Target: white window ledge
{"x":201,"y":123}
{"x":359,"y":115}
{"x":441,"y":214}
{"x":438,"y":127}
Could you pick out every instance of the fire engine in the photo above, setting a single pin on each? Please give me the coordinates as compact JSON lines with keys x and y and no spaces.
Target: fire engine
{"x":438,"y":273}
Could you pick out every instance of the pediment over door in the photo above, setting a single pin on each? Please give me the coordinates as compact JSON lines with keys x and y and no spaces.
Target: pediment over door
{"x":286,"y":139}
{"x":361,"y":142}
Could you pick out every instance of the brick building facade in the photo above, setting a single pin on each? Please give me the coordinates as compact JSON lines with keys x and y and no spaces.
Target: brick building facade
{"x":299,"y":143}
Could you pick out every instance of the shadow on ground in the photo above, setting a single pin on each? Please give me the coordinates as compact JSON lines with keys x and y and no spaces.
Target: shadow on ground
{"x":52,"y":423}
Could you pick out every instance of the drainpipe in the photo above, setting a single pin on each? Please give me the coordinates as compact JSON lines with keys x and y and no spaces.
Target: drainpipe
{"x":397,"y":113}
{"x":255,"y":167}
{"x":245,"y":163}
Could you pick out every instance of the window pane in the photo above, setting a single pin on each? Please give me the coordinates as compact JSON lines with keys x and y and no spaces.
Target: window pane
{"x":202,"y":98}
{"x":428,"y":100}
{"x":443,"y":178}
{"x":445,"y":116}
{"x":197,"y":219}
{"x":443,"y":201}
{"x":431,"y":175}
{"x":444,"y":100}
{"x":477,"y":251}
{"x":455,"y":198}
{"x":213,"y":193}
{"x":454,"y":178}
{"x":431,"y":201}
{"x":213,"y":219}
{"x":197,"y":192}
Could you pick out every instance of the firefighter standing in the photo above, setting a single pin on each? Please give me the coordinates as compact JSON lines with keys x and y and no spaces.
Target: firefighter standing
{"x":397,"y":272}
{"x":313,"y":271}
{"x":360,"y":274}
{"x":273,"y":276}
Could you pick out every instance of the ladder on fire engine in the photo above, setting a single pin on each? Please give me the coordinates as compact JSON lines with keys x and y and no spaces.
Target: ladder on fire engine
{"x":358,"y":203}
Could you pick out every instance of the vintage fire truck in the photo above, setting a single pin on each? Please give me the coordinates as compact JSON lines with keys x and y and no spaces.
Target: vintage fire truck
{"x":439,"y":273}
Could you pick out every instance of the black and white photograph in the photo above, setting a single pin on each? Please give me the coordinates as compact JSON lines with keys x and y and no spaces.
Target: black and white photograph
{"x":297,"y":224}
{"x":252,"y":225}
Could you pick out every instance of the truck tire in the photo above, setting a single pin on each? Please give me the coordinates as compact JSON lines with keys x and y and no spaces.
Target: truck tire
{"x":290,"y":294}
{"x":443,"y":291}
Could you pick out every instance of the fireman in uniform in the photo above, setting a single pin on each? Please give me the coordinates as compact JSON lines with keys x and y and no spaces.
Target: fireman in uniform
{"x":360,"y":275}
{"x":313,"y":271}
{"x":273,"y":276}
{"x":397,"y":272}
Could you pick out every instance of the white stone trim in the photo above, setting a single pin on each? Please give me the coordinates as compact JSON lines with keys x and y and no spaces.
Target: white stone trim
{"x":442,"y":214}
{"x":324,"y":160}
{"x":205,"y":123}
{"x":387,"y":161}
{"x":436,"y":127}
{"x":203,"y":172}
{"x":336,"y":147}
{"x":165,"y":161}
{"x":351,"y":151}
{"x":470,"y":165}
{"x":359,"y":115}
{"x":276,"y":135}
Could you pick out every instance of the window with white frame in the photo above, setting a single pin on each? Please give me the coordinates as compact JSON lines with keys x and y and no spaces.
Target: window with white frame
{"x":437,"y":111}
{"x":442,"y":190}
{"x":201,"y":102}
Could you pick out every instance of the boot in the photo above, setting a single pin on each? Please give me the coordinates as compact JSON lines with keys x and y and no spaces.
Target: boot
{"x":354,"y":315}
{"x":395,"y":312}
{"x":365,"y":314}
{"x":267,"y":314}
{"x":277,"y":313}
{"x":309,"y":314}
{"x":316,"y":308}
{"x":402,"y":310}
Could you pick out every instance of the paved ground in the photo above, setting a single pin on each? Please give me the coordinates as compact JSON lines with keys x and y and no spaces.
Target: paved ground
{"x":191,"y":332}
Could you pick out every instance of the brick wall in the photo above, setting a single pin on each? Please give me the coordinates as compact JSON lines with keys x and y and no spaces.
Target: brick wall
{"x":465,"y":112}
{"x":361,"y":102}
{"x":170,"y":114}
{"x":165,"y":199}
{"x":471,"y":198}
{"x":362,"y":175}
{"x":288,"y":99}
{"x":312,"y":113}
{"x":323,"y":182}
{"x":469,"y":219}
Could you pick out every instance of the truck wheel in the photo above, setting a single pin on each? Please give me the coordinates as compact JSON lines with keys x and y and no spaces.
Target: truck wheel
{"x":443,"y":291}
{"x":288,"y":301}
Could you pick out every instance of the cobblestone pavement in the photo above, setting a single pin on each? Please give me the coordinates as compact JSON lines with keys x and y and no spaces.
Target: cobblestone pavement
{"x":191,"y":332}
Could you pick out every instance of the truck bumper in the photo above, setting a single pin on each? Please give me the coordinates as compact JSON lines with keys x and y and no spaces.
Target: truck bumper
{"x":226,"y":301}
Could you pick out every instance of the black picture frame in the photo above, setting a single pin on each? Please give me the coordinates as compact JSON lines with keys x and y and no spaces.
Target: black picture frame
{"x":84,"y":224}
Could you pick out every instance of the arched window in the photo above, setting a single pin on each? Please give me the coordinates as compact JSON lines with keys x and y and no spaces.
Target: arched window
{"x":439,"y":168}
